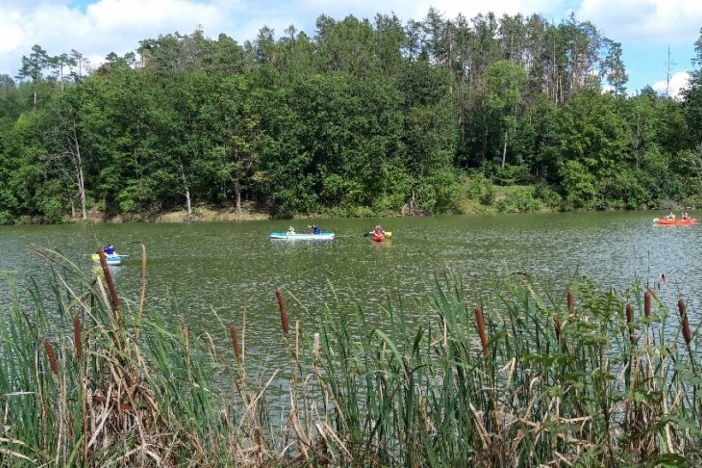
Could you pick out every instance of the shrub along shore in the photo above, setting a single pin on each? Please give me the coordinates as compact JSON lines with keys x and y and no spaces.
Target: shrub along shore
{"x":524,"y":378}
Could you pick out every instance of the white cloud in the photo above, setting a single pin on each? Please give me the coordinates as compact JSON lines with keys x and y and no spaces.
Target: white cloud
{"x":678,"y":82}
{"x":103,"y":26}
{"x":653,"y":21}
{"x":10,"y":35}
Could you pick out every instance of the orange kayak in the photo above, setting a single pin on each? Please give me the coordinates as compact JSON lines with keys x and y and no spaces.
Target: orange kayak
{"x":375,"y":238}
{"x":674,"y":222}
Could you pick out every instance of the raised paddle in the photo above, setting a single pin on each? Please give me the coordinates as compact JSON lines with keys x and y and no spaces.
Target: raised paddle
{"x":368,"y":234}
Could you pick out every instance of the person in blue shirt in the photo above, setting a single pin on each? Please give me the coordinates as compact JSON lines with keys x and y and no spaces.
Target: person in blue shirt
{"x":316,"y":229}
{"x":109,"y":249}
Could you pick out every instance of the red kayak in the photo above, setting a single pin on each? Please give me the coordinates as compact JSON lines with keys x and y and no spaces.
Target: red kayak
{"x":673,"y":222}
{"x":375,"y":238}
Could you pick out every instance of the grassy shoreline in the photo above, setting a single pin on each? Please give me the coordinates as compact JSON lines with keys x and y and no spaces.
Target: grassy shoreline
{"x":475,"y":196}
{"x":524,"y":378}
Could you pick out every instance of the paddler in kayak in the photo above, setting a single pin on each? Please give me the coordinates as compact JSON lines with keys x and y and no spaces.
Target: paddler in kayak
{"x":378,"y":231}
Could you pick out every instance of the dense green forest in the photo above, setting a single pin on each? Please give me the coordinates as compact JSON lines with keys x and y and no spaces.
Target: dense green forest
{"x":364,"y":118}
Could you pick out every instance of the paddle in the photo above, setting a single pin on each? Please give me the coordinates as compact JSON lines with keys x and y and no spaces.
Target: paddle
{"x":368,"y":234}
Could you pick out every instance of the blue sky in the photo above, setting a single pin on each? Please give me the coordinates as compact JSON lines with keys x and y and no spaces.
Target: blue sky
{"x":645,"y":28}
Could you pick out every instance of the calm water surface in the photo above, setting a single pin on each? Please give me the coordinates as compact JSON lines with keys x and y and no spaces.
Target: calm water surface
{"x":212,"y":269}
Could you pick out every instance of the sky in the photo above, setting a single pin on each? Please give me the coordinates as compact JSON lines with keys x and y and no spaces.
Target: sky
{"x":657,"y":36}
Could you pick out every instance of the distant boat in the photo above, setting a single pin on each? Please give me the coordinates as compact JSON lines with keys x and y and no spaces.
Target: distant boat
{"x":674,"y":222}
{"x":301,"y":236}
{"x":112,"y":260}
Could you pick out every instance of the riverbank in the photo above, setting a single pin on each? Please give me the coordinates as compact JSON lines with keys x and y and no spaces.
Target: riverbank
{"x":486,"y":200}
{"x":475,"y":196}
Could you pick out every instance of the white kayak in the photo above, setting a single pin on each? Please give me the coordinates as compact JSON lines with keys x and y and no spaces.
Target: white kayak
{"x":112,"y":260}
{"x":300,"y":236}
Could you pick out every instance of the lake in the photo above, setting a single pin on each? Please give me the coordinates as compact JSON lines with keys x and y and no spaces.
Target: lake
{"x":212,"y":269}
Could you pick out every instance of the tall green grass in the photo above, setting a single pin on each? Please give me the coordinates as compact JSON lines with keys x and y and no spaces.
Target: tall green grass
{"x":521,"y":378}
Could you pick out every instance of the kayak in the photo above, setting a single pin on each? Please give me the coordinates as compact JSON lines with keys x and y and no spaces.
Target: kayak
{"x":674,"y":222}
{"x":112,"y":260}
{"x":301,"y":236}
{"x":375,"y":238}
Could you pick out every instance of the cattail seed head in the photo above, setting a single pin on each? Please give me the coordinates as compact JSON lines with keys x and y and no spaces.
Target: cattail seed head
{"x":557,"y":327}
{"x":629,"y":313}
{"x":480,"y":320}
{"x":52,"y":357}
{"x":687,"y":334}
{"x":647,"y":303}
{"x":108,"y":279}
{"x":283,"y":311}
{"x":571,"y":302}
{"x":77,"y":336}
{"x":235,"y":340}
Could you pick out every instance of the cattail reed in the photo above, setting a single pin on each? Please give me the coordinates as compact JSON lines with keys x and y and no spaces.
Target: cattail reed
{"x":481,"y":331}
{"x":108,"y":278}
{"x":283,"y":311}
{"x":52,"y":357}
{"x":687,"y":334}
{"x":557,"y":327}
{"x":77,"y":336}
{"x":235,"y":340}
{"x":630,"y":322}
{"x":571,"y":302}
{"x":647,"y":303}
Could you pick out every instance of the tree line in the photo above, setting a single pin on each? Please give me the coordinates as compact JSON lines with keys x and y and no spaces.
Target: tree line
{"x":363,"y":118}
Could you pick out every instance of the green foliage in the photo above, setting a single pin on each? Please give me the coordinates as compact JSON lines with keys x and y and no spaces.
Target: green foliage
{"x":438,"y":193}
{"x":579,"y":185}
{"x":506,"y":81}
{"x":363,"y":117}
{"x":5,"y":218}
{"x":511,"y":174}
{"x":548,"y":196}
{"x":520,"y":200}
{"x":481,"y":188}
